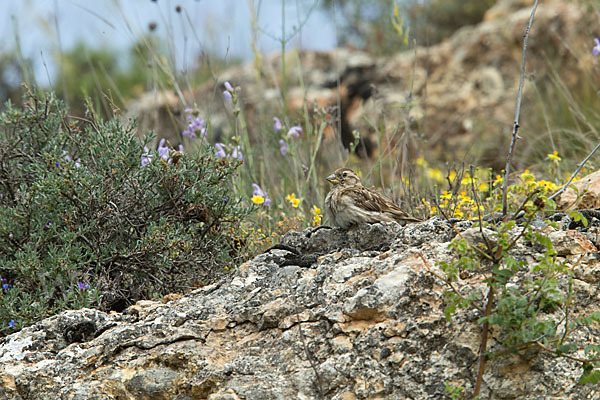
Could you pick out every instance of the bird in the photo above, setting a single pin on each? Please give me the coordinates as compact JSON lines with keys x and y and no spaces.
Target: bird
{"x":349,"y":203}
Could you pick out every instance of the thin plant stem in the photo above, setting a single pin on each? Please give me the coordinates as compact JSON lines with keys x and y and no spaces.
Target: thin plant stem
{"x":477,"y":204}
{"x":569,"y":299}
{"x":22,"y":63}
{"x":515,"y":133}
{"x":484,"y":337}
{"x":579,"y":166}
{"x":283,"y":69}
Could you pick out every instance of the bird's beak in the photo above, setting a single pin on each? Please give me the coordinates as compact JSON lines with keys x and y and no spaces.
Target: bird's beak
{"x":332,"y":179}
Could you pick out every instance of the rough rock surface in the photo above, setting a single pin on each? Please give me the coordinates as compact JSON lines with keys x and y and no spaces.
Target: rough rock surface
{"x":585,"y":194}
{"x":363,"y":320}
{"x":459,"y":91}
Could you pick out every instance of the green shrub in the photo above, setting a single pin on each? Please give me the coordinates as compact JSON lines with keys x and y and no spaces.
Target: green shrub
{"x":90,"y":218}
{"x":521,"y":312}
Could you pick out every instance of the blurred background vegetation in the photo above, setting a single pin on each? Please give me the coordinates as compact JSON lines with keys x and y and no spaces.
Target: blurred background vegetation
{"x":109,"y":77}
{"x":367,"y":25}
{"x":184,"y":46}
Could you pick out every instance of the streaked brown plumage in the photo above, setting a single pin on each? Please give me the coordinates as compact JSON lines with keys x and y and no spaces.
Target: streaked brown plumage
{"x":350,"y":203}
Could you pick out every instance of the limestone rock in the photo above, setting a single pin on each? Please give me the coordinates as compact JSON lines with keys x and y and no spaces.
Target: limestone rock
{"x":363,"y":321}
{"x":586,"y":194}
{"x":571,"y":243}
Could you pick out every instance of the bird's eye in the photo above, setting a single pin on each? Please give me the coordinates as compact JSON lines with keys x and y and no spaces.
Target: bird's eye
{"x":345,"y":174}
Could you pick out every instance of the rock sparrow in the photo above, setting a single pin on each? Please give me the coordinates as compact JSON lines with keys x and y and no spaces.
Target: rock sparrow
{"x":350,"y":203}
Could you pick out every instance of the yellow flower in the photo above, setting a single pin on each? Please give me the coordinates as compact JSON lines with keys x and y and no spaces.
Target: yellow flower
{"x":256,"y":199}
{"x":549,"y":185}
{"x":484,"y":187}
{"x":293,"y":200}
{"x":435,"y":174}
{"x":421,"y":161}
{"x":446,"y":195}
{"x":527,"y":176}
{"x":554,"y":157}
{"x":464,"y":199}
{"x":466,"y":180}
{"x":475,"y":207}
{"x":432,"y":209}
{"x":499,"y":180}
{"x":317,"y":217}
{"x":452,"y":175}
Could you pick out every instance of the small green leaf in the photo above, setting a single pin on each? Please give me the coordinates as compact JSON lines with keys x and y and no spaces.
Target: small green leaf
{"x":566,"y":348}
{"x":577,"y":216}
{"x":449,"y":310}
{"x":590,"y":375}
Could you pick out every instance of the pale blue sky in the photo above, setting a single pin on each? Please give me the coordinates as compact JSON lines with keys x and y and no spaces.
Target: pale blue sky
{"x":45,"y":26}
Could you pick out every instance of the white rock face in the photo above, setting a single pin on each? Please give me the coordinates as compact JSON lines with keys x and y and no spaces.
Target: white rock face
{"x":363,"y":320}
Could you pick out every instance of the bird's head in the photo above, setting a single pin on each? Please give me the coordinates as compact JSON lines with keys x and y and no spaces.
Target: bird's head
{"x":343,"y":177}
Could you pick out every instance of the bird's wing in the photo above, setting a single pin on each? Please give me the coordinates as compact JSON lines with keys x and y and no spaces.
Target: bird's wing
{"x":371,"y":200}
{"x":368,"y":199}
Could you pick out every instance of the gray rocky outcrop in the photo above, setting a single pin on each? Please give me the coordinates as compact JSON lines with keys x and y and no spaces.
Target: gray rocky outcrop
{"x":362,"y":320}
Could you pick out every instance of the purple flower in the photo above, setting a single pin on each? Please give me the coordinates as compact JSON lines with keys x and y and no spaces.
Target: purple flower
{"x":294,"y":131}
{"x":163,"y":151}
{"x":284,"y":147}
{"x":220,"y":150}
{"x":195,"y":124}
{"x":221,"y":153}
{"x":237,"y":153}
{"x":277,"y":124}
{"x":12,"y":323}
{"x":83,"y":286}
{"x":146,"y":157}
{"x":596,"y":49}
{"x":58,"y":164}
{"x":5,"y":286}
{"x":229,"y":91}
{"x":69,"y":159}
{"x":258,"y":191}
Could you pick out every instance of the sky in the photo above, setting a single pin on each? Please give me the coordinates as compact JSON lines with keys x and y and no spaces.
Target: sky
{"x":44,"y":28}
